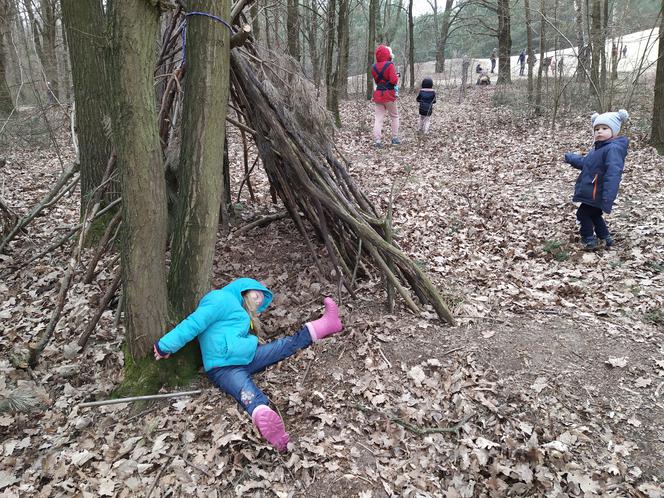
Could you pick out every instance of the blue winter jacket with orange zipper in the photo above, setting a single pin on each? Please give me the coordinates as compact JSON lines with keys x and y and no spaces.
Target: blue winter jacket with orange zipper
{"x":601,"y":172}
{"x":222,"y":326}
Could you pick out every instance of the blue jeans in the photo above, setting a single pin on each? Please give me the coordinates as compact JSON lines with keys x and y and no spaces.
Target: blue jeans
{"x":237,"y":381}
{"x":591,"y":221}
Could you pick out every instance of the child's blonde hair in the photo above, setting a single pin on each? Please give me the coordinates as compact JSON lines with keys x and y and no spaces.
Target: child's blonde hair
{"x":251,"y":309}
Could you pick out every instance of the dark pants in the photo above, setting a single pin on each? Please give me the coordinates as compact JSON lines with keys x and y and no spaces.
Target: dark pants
{"x":521,"y":71}
{"x":493,"y":64}
{"x":236,"y":380}
{"x":591,"y":222}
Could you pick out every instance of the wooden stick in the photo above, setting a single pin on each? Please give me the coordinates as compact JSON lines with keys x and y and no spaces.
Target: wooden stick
{"x":138,"y":398}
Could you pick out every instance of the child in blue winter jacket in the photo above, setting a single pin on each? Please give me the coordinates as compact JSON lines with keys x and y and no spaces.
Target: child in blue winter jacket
{"x":426,"y":98}
{"x":231,"y":354}
{"x":601,"y":172}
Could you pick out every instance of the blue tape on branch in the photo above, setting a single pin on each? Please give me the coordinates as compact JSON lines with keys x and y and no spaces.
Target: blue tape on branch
{"x":184,"y":28}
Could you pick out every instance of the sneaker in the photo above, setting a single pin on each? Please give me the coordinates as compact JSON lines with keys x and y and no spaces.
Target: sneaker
{"x":589,"y":243}
{"x":396,"y":141}
{"x":608,"y":241}
{"x":378,"y":144}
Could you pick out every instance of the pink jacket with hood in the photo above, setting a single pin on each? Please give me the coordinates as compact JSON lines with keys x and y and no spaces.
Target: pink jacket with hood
{"x":390,"y":78}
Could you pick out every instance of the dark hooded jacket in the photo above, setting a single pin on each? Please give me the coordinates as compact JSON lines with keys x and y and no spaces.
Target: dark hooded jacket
{"x":601,"y":172}
{"x":222,"y":326}
{"x":426,"y":97}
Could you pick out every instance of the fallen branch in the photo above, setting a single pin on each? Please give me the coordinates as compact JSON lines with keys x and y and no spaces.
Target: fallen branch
{"x":108,"y":295}
{"x":265,"y":220}
{"x":22,"y":223}
{"x":420,"y":431}
{"x":138,"y":398}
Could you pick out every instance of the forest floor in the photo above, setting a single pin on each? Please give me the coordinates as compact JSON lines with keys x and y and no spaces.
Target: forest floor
{"x":551,"y":384}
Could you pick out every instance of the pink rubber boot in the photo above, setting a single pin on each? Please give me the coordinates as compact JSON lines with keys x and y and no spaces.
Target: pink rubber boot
{"x":271,"y":426}
{"x":328,"y":324}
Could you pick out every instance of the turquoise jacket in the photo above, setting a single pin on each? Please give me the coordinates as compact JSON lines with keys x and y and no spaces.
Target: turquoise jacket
{"x":222,"y":326}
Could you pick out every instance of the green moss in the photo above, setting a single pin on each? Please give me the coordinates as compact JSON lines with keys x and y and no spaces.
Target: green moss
{"x":146,"y":376}
{"x":97,"y":228}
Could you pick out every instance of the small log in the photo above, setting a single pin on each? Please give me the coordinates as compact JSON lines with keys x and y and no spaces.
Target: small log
{"x":138,"y":398}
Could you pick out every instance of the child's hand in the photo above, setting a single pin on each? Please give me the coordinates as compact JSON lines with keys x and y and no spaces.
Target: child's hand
{"x":157,"y":356}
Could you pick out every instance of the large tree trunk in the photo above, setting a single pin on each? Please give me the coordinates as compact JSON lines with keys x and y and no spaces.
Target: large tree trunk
{"x":530,"y":58}
{"x":293,"y":29}
{"x":657,"y":135}
{"x":444,"y":34}
{"x":343,"y":35}
{"x":371,"y":45}
{"x":85,"y":25}
{"x":201,"y":156}
{"x":411,"y":45}
{"x":504,"y":42}
{"x":6,"y":104}
{"x":135,"y":27}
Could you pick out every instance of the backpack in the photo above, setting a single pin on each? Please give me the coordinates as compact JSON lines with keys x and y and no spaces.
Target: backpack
{"x":381,"y":83}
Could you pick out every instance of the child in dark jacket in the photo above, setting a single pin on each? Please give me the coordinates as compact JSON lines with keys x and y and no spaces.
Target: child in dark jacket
{"x":426,"y":98}
{"x":601,"y":172}
{"x":223,"y":323}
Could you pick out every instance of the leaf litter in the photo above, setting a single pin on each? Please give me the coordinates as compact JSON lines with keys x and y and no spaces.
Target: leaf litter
{"x":550,"y":387}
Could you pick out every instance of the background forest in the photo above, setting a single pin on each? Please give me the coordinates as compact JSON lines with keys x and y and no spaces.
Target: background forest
{"x":153,"y":150}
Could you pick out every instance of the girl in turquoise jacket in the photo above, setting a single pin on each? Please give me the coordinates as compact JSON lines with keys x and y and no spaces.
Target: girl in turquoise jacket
{"x":223,"y":322}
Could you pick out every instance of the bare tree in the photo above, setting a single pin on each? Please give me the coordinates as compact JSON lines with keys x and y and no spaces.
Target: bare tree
{"x":293,"y":28}
{"x":371,"y":44}
{"x":538,"y":92}
{"x":443,"y":35}
{"x":530,"y":59}
{"x":6,"y":104}
{"x":504,"y":42}
{"x":343,"y":37}
{"x":312,"y":20}
{"x":657,"y":132}
{"x":581,"y":52}
{"x":411,"y":45}
{"x":597,"y":41}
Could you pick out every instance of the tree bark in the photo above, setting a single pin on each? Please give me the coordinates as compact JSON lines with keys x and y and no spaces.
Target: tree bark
{"x":657,"y":134}
{"x":6,"y":104}
{"x":411,"y":45}
{"x":135,"y":27}
{"x":293,"y":29}
{"x":313,"y":42}
{"x":444,"y":34}
{"x":201,"y":156}
{"x":504,"y":43}
{"x":85,"y":26}
{"x":538,"y":93}
{"x":530,"y":59}
{"x":371,"y":45}
{"x":48,"y":32}
{"x":582,"y":61}
{"x":343,"y":36}
{"x":597,"y":41}
{"x":331,"y":100}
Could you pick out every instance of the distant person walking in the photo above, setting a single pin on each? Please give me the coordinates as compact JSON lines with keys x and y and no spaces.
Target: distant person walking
{"x":384,"y":97}
{"x":522,"y":62}
{"x":426,"y":98}
{"x":494,"y":54}
{"x":624,"y":51}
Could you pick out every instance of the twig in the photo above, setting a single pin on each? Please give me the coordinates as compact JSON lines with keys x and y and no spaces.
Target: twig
{"x":265,"y":220}
{"x":108,"y":295}
{"x":420,"y":431}
{"x":139,"y":398}
{"x":156,"y":479}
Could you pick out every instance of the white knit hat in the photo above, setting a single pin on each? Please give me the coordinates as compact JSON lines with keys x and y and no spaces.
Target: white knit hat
{"x":611,"y":119}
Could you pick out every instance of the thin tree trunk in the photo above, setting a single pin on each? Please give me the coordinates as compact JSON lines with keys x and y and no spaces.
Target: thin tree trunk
{"x":85,"y":23}
{"x":329,"y":55}
{"x":411,"y":45}
{"x":135,"y":27}
{"x":538,"y":92}
{"x":444,"y":34}
{"x":49,"y":61}
{"x":657,"y":134}
{"x":578,"y":22}
{"x":371,"y":45}
{"x":343,"y":34}
{"x":605,"y":34}
{"x":293,"y":29}
{"x":530,"y":58}
{"x":313,"y":43}
{"x":201,"y":156}
{"x":6,"y":104}
{"x":596,"y":35}
{"x":504,"y":43}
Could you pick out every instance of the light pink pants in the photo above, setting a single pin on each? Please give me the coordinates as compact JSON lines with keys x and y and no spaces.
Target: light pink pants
{"x":381,"y":110}
{"x":425,"y":121}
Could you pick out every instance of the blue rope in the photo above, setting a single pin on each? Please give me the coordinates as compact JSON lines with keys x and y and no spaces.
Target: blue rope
{"x":184,"y":29}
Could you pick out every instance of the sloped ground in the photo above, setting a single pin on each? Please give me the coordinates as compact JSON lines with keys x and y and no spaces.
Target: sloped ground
{"x":554,"y":378}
